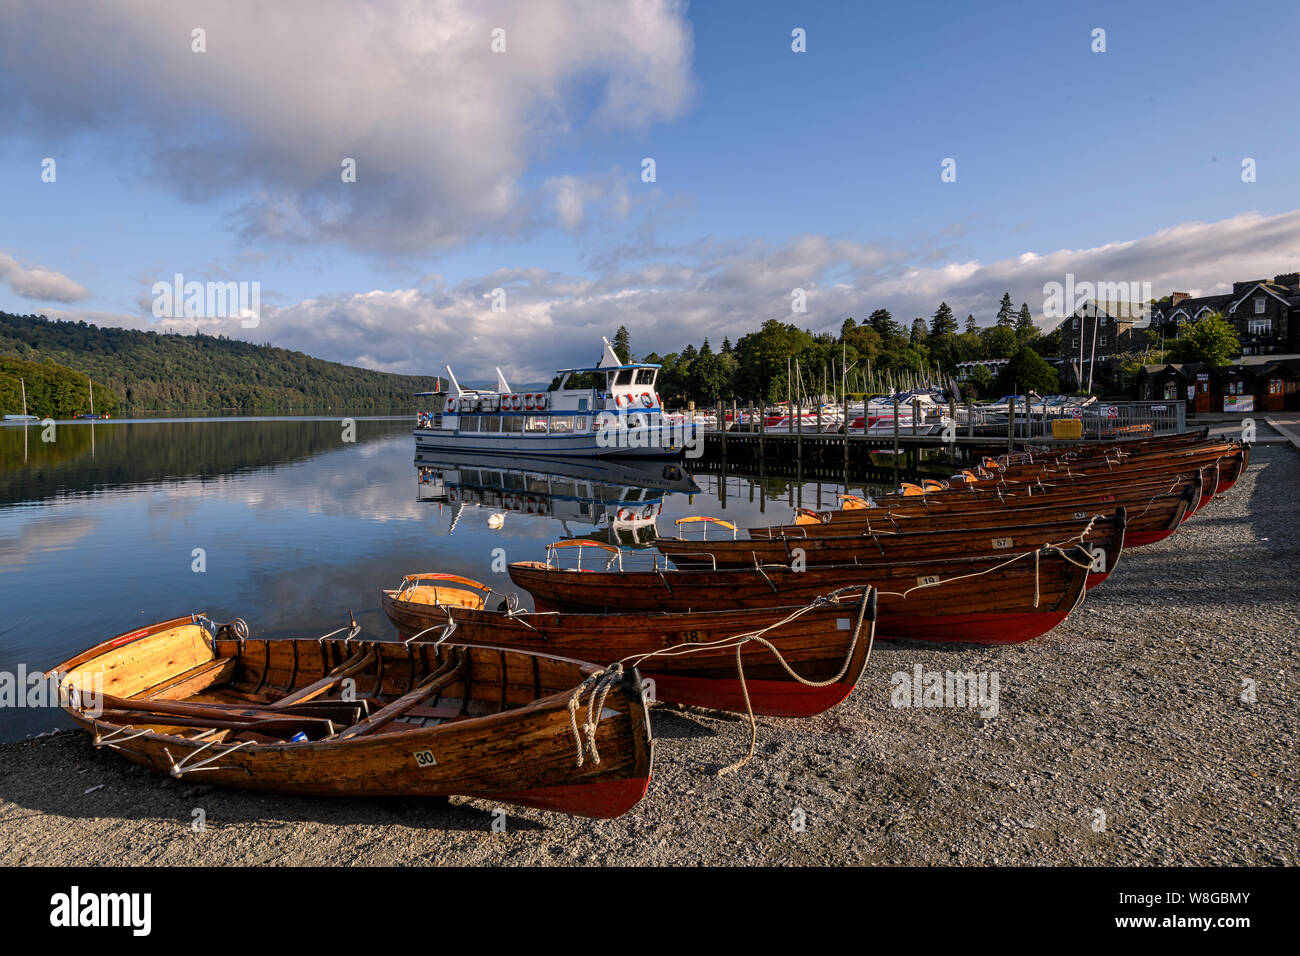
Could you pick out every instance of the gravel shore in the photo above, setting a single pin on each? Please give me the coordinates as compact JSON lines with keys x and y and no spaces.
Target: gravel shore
{"x":1122,"y":737}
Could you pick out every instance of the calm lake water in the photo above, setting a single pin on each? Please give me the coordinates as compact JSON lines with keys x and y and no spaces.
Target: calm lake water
{"x":296,"y":526}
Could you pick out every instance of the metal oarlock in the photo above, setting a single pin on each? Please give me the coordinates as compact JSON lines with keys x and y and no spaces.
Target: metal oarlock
{"x":179,"y":769}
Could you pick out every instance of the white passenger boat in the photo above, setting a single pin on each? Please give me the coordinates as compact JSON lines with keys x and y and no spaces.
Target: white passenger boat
{"x":607,"y":410}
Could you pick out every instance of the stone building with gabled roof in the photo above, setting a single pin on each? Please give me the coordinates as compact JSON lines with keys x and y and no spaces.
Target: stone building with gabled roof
{"x":1264,"y":312}
{"x":1097,"y":330}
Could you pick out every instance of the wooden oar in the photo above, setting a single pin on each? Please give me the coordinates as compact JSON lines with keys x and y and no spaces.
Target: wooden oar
{"x":270,"y":726}
{"x":435,"y":683}
{"x":351,"y":666}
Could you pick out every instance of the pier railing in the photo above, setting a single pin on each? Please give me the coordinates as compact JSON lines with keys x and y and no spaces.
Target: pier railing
{"x":1018,"y":421}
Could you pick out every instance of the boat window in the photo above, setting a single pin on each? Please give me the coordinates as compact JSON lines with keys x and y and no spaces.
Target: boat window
{"x":534,"y":424}
{"x":512,"y":423}
{"x":561,"y":423}
{"x":624,"y":377}
{"x":582,"y":404}
{"x":469,"y":423}
{"x":580,"y":423}
{"x":491,"y":423}
{"x":645,"y":376}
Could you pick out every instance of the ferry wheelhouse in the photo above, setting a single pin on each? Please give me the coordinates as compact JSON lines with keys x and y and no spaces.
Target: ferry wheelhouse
{"x":608,"y":410}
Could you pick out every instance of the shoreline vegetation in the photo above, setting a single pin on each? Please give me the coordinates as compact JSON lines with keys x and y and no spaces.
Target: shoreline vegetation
{"x":147,"y":372}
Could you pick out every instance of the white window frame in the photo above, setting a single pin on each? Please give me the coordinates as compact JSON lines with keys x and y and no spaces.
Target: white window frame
{"x":1260,"y":304}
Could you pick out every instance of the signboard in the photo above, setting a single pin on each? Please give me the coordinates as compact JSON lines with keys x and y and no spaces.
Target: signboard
{"x":1238,"y":403}
{"x":1191,"y":392}
{"x":1112,"y":411}
{"x":1159,"y":408}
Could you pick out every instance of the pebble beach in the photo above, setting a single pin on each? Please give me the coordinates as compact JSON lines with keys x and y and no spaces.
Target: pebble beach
{"x":1157,"y":726}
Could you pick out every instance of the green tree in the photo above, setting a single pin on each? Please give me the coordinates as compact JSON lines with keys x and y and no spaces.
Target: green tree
{"x":1026,"y":331}
{"x":971,"y":324}
{"x":999,"y":341}
{"x":979,"y":383}
{"x":943,"y":323}
{"x":884,"y":325}
{"x":919,"y":331}
{"x":1212,"y":340}
{"x":762,"y":358}
{"x":1027,"y":372}
{"x":1006,"y":312}
{"x":623,"y":344}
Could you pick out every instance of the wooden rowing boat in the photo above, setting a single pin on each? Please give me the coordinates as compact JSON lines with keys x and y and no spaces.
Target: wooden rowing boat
{"x":1231,"y":458}
{"x":979,"y":600}
{"x":689,"y":658}
{"x":351,"y":717}
{"x":877,"y":545}
{"x":1154,"y":512}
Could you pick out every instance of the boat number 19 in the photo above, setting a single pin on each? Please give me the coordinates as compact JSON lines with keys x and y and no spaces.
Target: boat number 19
{"x":425,"y":758}
{"x":928,"y":579}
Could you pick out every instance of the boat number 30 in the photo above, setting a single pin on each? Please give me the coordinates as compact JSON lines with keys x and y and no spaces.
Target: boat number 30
{"x":425,"y":758}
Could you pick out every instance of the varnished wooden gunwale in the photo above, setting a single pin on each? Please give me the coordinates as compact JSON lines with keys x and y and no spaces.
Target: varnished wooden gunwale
{"x":1133,"y":496}
{"x":815,"y":644}
{"x":976,"y":585}
{"x":525,"y":754}
{"x":882,"y":546}
{"x":1076,"y":472}
{"x":1145,"y":513}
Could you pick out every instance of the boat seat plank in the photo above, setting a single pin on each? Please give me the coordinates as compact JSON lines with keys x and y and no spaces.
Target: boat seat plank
{"x":190,"y":682}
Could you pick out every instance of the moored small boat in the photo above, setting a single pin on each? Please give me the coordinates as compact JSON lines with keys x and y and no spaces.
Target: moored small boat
{"x":795,"y":661}
{"x":337,"y":716}
{"x":988,"y":599}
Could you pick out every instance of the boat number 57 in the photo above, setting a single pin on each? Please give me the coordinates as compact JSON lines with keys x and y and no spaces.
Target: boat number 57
{"x":425,"y":758}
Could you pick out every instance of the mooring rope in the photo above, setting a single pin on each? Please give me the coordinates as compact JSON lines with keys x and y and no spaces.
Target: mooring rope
{"x":757,"y":636}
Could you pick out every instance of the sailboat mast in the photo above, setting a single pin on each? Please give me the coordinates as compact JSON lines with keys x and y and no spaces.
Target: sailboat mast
{"x":23,"y":386}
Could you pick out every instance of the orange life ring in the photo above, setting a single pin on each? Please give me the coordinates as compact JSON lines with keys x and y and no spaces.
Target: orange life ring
{"x":451,"y":404}
{"x":647,"y":399}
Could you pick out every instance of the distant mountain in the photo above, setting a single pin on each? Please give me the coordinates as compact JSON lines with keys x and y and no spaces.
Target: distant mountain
{"x":147,"y":371}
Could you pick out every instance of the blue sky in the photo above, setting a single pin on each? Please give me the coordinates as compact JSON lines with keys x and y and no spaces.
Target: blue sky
{"x":521,"y":170}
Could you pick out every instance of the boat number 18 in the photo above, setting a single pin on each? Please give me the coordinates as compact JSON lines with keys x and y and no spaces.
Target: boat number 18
{"x":424,"y":758}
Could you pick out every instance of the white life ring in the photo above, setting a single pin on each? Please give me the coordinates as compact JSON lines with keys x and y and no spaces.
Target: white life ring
{"x":543,"y":399}
{"x":647,"y":399}
{"x":514,"y":402}
{"x":451,"y":405}
{"x":626,"y":514}
{"x":528,"y":401}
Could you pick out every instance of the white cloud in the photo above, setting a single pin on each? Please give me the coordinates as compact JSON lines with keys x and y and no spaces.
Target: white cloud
{"x":442,"y":129}
{"x":553,"y":320}
{"x":41,"y":284}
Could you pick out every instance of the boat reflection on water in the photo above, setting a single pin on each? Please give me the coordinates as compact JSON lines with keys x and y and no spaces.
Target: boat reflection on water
{"x":618,"y":499}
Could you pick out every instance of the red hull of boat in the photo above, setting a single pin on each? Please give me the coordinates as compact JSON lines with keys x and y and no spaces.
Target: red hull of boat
{"x":604,"y":800}
{"x":1135,"y":539}
{"x":987,"y":628}
{"x":771,"y":698}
